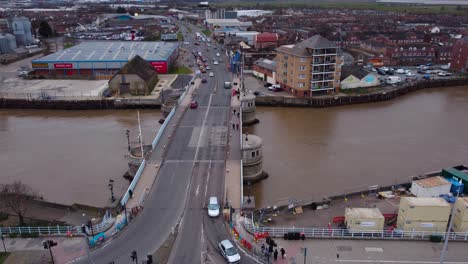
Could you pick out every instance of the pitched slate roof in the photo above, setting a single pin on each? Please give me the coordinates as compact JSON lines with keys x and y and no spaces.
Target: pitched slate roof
{"x":140,"y":67}
{"x":314,"y":42}
{"x":267,"y":64}
{"x":352,"y":70}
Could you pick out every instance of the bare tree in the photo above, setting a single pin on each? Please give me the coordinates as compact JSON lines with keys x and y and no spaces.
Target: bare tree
{"x":16,"y":197}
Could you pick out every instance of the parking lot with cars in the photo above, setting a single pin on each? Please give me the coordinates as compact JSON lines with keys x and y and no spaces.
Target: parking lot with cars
{"x":399,"y":75}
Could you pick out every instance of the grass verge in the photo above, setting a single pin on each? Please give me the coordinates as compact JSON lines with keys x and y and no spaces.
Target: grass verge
{"x":3,"y":256}
{"x":206,"y":32}
{"x":181,"y":70}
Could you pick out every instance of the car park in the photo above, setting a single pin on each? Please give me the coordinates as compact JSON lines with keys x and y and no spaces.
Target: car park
{"x":213,"y":206}
{"x":409,"y":74}
{"x":193,"y":104}
{"x":381,"y":71}
{"x":229,"y":252}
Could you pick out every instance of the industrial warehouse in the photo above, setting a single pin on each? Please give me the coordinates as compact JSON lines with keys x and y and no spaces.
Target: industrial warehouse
{"x":102,"y":59}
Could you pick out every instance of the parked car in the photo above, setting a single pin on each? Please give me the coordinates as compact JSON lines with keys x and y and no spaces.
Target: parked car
{"x":421,"y":71}
{"x":258,"y":93}
{"x":213,"y":207}
{"x":400,"y":71}
{"x":427,"y":76}
{"x":267,"y":84}
{"x":381,"y":71}
{"x":444,"y":74}
{"x":410,"y":74}
{"x":204,"y":80}
{"x":193,"y":104}
{"x":390,"y":72}
{"x":273,"y":87}
{"x":229,"y":252}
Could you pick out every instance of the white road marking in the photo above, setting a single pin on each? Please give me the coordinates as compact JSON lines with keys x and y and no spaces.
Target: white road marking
{"x":202,"y":132}
{"x":202,"y":239}
{"x":373,"y":249}
{"x":197,"y":191}
{"x":397,"y":261}
{"x":207,"y":179}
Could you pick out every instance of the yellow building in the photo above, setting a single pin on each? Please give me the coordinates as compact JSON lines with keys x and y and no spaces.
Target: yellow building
{"x":310,"y":67}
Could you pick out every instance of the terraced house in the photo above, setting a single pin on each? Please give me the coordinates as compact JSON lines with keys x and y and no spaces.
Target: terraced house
{"x":308,"y":68}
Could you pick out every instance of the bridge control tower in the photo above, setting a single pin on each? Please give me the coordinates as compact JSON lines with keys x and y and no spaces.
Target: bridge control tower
{"x":252,"y":158}
{"x":248,"y":109}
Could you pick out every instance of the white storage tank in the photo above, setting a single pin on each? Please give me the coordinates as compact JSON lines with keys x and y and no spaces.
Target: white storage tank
{"x":364,"y":219}
{"x":460,"y":215}
{"x":423,"y":214}
{"x":430,"y":187}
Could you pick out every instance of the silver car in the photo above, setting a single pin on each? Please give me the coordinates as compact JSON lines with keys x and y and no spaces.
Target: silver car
{"x":229,"y":252}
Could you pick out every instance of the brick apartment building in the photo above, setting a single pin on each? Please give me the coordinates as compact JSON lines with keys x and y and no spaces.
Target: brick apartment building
{"x":311,"y":67}
{"x":266,"y":40}
{"x":460,"y":55}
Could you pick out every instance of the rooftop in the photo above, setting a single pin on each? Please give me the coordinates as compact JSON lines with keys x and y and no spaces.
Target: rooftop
{"x":425,"y":201}
{"x":253,"y":142}
{"x":112,"y":51}
{"x":363,"y":213}
{"x":432,"y":182}
{"x":463,"y":200}
{"x":267,"y":64}
{"x":303,"y":48}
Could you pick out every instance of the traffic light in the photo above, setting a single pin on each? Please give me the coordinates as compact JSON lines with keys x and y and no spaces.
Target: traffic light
{"x":134,"y":255}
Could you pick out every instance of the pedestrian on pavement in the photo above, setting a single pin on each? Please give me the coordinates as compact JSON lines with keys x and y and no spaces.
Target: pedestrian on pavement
{"x":233,"y":125}
{"x":275,"y":255}
{"x":237,"y":126}
{"x":234,"y":111}
{"x":238,"y":115}
{"x":270,"y":249}
{"x":238,"y":97}
{"x":337,"y":255}
{"x":283,"y":252}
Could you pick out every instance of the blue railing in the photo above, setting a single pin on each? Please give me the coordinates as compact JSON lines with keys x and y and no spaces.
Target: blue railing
{"x":124,"y":200}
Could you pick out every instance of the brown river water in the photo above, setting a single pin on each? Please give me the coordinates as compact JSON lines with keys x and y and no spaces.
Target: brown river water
{"x":311,"y":153}
{"x":69,"y":156}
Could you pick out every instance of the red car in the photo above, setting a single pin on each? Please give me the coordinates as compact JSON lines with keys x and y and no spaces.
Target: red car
{"x":193,"y":104}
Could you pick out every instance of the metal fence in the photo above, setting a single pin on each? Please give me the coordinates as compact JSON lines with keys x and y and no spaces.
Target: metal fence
{"x":50,"y":96}
{"x":105,"y":224}
{"x":163,"y":127}
{"x":345,"y":233}
{"x":39,"y":230}
{"x":126,"y":196}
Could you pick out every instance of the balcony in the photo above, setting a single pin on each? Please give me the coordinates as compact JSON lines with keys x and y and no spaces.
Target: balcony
{"x":323,"y":52}
{"x":323,"y":69}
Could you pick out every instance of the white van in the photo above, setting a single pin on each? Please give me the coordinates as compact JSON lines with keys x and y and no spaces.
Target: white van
{"x":393,"y":79}
{"x":213,"y":206}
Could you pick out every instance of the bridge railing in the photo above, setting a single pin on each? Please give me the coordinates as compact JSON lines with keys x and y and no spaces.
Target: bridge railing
{"x":126,"y":196}
{"x":38,"y":230}
{"x":349,"y":234}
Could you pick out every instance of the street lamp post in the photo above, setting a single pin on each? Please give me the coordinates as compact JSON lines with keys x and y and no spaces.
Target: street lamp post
{"x":111,"y":188}
{"x":3,"y":241}
{"x":127,"y":133}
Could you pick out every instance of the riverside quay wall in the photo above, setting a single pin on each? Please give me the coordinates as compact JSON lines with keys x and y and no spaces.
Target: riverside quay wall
{"x":329,"y":101}
{"x":64,"y":104}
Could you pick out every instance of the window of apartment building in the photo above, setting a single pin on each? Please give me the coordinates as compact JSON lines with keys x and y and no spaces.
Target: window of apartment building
{"x":302,"y":68}
{"x":302,"y":76}
{"x":316,"y":60}
{"x":253,"y":154}
{"x":303,"y":59}
{"x":300,"y":85}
